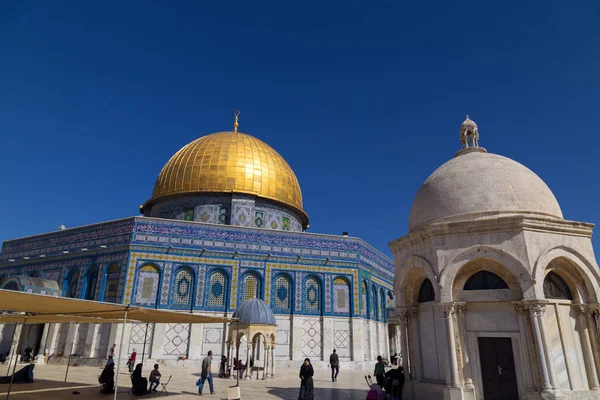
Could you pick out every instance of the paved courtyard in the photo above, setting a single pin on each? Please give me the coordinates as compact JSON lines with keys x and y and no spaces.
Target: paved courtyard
{"x":49,"y":384}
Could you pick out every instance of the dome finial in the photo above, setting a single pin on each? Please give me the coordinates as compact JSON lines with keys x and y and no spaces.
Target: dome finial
{"x":235,"y":124}
{"x":468,"y":129}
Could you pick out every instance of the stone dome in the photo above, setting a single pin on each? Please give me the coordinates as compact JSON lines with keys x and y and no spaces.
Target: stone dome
{"x":254,"y":311}
{"x":229,"y":162}
{"x":475,"y":184}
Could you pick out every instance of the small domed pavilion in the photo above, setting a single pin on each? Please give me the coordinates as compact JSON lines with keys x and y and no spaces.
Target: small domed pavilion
{"x":254,"y":319}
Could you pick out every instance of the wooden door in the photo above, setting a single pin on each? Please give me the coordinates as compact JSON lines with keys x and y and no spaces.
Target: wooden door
{"x":497,"y":369}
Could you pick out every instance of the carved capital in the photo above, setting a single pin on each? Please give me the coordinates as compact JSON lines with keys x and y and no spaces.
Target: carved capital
{"x":460,"y":308}
{"x":519,"y":307}
{"x":413,"y":312}
{"x":580,"y":309}
{"x":536,"y":309}
{"x":448,"y":310}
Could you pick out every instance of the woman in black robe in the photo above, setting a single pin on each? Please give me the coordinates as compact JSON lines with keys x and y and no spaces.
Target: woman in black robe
{"x":107,"y":379}
{"x":139,"y":383}
{"x":306,"y":383}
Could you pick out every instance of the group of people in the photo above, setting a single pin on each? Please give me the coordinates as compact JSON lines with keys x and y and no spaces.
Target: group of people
{"x":385,"y":380}
{"x":139,"y":384}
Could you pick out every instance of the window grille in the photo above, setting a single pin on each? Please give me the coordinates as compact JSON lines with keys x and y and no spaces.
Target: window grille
{"x":183,"y":287}
{"x":313,"y":292}
{"x":216,"y":295}
{"x":250,"y":287}
{"x":282,"y":293}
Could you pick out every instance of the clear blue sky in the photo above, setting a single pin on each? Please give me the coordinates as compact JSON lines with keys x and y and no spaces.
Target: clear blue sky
{"x":362,"y":98}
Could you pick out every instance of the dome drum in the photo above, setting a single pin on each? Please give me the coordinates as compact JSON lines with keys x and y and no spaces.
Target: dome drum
{"x":228,"y":209}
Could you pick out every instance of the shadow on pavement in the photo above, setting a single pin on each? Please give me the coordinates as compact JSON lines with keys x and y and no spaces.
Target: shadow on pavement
{"x":320,"y":393}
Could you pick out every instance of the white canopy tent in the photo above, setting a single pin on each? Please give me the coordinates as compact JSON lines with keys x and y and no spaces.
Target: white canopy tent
{"x":37,"y":308}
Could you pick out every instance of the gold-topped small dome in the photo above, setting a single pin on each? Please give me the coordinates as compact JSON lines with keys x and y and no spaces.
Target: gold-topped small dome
{"x":229,"y":162}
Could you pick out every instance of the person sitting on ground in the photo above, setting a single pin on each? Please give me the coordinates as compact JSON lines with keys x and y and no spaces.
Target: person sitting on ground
{"x":392,"y":375}
{"x":107,"y":379}
{"x":139,"y":383}
{"x":154,"y":378}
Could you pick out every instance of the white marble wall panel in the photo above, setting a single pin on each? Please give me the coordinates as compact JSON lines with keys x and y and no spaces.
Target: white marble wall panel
{"x":102,"y":345}
{"x":342,"y":338}
{"x":572,"y":345}
{"x":429,"y":346}
{"x":283,"y":338}
{"x":555,"y":350}
{"x":6,"y":335}
{"x":367,"y":341}
{"x":80,"y":340}
{"x":491,"y":317}
{"x":312,"y":340}
{"x":442,"y":339}
{"x":213,"y":337}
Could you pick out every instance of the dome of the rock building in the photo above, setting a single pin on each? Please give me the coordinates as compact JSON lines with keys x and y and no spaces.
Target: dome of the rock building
{"x":476,"y":184}
{"x":230,"y":163}
{"x":254,"y":311}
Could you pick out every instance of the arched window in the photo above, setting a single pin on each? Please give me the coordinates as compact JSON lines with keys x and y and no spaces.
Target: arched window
{"x":374,"y":303}
{"x":91,"y":282}
{"x":426,"y":292}
{"x":11,"y":286}
{"x":217,"y":291}
{"x":71,"y":283}
{"x":341,"y":295}
{"x":364,"y":299}
{"x":34,"y":274}
{"x":312,"y":295}
{"x":183,"y":287}
{"x":251,"y":286}
{"x":282,"y":294}
{"x":112,"y":283}
{"x":555,"y":287}
{"x":148,"y":280}
{"x":485,"y":280}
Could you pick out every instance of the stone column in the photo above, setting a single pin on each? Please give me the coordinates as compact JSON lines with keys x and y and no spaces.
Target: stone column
{"x":592,"y":318}
{"x":228,"y":364}
{"x":272,"y":360}
{"x":265,"y":360}
{"x":449,"y":319}
{"x":464,"y":340}
{"x":248,"y":367}
{"x":404,"y":339}
{"x":588,"y":358}
{"x":524,"y":345}
{"x":536,"y":312}
{"x":413,"y":315}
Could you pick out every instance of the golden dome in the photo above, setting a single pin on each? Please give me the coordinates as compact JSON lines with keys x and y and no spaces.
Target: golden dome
{"x":229,"y":162}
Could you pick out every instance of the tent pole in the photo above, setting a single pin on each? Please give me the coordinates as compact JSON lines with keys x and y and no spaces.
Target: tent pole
{"x":144,"y":348}
{"x":71,"y":352}
{"x":237,"y":328}
{"x":15,"y":355}
{"x":119,"y":354}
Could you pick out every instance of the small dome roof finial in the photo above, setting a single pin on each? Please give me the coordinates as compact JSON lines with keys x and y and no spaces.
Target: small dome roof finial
{"x":236,"y":124}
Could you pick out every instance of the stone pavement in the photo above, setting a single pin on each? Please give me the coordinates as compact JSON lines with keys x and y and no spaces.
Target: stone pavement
{"x":49,"y":384}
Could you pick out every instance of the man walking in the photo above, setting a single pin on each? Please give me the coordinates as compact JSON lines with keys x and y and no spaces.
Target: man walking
{"x":111,"y":355}
{"x":334,"y":362}
{"x":206,"y":374}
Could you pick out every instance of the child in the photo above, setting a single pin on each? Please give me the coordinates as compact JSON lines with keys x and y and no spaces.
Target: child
{"x":154,"y":378}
